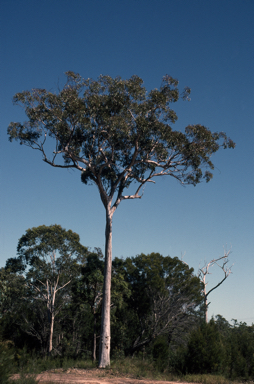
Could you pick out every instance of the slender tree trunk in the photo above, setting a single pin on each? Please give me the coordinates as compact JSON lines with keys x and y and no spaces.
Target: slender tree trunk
{"x":104,"y":355}
{"x":51,"y":333}
{"x":52,"y":319}
{"x":94,"y":338}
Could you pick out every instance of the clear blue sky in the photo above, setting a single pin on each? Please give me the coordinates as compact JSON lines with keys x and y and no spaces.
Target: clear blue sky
{"x":206,"y":45}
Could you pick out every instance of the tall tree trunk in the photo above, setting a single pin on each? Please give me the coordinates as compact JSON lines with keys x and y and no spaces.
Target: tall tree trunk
{"x":104,"y":354}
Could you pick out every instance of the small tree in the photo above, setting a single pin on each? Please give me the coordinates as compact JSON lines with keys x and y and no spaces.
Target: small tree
{"x":205,"y":351}
{"x":116,"y":133}
{"x":50,"y":257}
{"x":204,"y":271}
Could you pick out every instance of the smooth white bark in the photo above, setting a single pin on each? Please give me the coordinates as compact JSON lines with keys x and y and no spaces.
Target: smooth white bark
{"x":49,"y":297}
{"x":104,"y":358}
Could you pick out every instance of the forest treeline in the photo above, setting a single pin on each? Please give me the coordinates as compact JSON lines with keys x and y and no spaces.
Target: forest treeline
{"x":51,"y":297}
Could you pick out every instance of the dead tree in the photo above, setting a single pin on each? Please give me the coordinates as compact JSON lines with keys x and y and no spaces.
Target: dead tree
{"x":202,"y":272}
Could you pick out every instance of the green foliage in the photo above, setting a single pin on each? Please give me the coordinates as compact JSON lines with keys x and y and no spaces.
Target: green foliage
{"x":40,"y":243}
{"x":138,"y":368}
{"x":91,"y":283}
{"x":11,"y":286}
{"x":50,"y":258}
{"x":116,"y":132}
{"x":241,"y":351}
{"x":205,"y":352}
{"x":155,"y":315}
{"x":161,"y":353}
{"x":217,"y":347}
{"x":165,"y":296}
{"x":133,"y":368}
{"x":6,"y":360}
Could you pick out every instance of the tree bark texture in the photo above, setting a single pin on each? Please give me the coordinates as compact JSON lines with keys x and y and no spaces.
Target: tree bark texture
{"x":104,"y":358}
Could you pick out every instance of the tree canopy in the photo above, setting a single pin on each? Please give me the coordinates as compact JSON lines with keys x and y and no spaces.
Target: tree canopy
{"x":49,"y":257}
{"x":116,"y":132}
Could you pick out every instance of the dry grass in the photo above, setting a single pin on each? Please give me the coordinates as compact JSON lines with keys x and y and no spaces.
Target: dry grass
{"x":133,"y":368}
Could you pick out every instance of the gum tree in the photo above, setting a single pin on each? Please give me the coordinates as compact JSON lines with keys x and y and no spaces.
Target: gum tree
{"x":115,"y":133}
{"x":50,"y":257}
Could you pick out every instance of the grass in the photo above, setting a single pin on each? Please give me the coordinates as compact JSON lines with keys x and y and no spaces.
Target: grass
{"x":207,"y":379}
{"x":212,"y":379}
{"x":137,"y":368}
{"x":134,"y":368}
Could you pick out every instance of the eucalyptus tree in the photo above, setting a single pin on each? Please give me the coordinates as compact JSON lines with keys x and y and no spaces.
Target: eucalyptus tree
{"x":115,"y":133}
{"x":50,"y":257}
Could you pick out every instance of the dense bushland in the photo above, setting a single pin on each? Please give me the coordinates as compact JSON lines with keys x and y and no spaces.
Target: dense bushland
{"x":157,"y":315}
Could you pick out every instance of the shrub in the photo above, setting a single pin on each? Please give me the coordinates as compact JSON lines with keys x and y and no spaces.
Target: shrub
{"x":160,"y":354}
{"x":6,"y":360}
{"x":205,"y":351}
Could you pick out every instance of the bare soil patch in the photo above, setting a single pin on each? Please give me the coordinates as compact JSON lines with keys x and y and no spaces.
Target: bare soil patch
{"x":89,"y":376}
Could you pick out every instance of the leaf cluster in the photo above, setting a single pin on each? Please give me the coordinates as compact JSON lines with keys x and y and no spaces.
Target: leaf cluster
{"x":48,"y":250}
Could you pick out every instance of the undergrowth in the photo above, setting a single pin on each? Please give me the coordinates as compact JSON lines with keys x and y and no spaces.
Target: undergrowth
{"x":24,"y":379}
{"x":136,"y":368}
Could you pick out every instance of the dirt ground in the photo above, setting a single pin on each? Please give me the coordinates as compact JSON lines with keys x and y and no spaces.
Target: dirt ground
{"x":89,"y":376}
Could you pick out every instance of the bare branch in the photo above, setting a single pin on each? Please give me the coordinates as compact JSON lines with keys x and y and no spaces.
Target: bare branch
{"x":204,"y":271}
